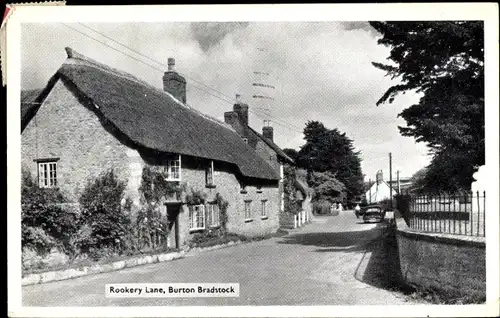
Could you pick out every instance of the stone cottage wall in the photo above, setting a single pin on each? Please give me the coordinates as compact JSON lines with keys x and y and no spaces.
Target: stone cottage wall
{"x":228,"y":186}
{"x":64,"y":128}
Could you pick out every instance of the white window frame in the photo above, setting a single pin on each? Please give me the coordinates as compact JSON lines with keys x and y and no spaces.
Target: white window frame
{"x":263,"y":209}
{"x":248,"y":211}
{"x":47,"y":178}
{"x":197,"y":213}
{"x":171,"y":164}
{"x":210,"y":169}
{"x":213,"y":215}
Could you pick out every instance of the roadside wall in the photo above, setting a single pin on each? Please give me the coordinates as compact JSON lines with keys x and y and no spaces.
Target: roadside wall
{"x":447,"y":263}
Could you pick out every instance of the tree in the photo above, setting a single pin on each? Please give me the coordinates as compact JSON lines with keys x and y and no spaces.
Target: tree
{"x":444,"y":61}
{"x":329,"y":150}
{"x":327,"y":187}
{"x":418,"y":181}
{"x":292,"y":153}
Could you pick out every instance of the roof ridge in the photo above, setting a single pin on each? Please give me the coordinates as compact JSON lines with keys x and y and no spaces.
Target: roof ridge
{"x":72,"y":54}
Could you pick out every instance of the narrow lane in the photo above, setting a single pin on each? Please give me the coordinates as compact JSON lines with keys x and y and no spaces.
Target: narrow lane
{"x":336,"y":260}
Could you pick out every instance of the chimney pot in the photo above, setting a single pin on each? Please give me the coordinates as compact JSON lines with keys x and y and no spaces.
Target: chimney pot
{"x":268,"y":132}
{"x":171,"y":64}
{"x":238,"y":98}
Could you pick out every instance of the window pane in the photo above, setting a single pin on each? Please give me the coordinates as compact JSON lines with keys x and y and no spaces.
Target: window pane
{"x":45,"y":177}
{"x":247,"y":210}
{"x":191,"y":217}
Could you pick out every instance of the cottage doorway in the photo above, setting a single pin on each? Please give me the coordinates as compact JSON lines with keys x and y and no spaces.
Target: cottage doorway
{"x":173,"y":210}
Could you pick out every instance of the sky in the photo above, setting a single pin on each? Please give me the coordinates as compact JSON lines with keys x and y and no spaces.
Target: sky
{"x":319,"y":70}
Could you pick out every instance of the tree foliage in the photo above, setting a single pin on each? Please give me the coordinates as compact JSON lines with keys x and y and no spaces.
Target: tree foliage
{"x":45,"y":224}
{"x":329,"y":150}
{"x":327,"y":187}
{"x":292,"y":153}
{"x":444,"y":61}
{"x":102,"y":214}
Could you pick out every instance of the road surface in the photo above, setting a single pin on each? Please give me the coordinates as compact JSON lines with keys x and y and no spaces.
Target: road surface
{"x":335,"y":260}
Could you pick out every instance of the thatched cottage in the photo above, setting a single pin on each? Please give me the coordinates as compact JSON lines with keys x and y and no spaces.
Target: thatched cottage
{"x":91,"y":118}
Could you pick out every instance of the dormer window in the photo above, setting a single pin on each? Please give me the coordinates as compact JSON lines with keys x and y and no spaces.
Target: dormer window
{"x":209,"y":174}
{"x":173,"y":169}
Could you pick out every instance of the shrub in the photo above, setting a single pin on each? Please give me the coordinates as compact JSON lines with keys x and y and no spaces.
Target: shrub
{"x":45,"y":223}
{"x":102,"y":215}
{"x":35,"y":238}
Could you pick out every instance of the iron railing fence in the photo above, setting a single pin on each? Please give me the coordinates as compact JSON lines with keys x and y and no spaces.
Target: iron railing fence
{"x":461,"y":213}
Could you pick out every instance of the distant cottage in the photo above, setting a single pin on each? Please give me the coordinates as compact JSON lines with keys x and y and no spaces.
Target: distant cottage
{"x":91,"y":118}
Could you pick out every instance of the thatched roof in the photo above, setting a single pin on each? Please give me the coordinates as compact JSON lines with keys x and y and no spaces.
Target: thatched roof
{"x":156,"y":120}
{"x":29,"y":101}
{"x":274,"y":146}
{"x":302,"y":186}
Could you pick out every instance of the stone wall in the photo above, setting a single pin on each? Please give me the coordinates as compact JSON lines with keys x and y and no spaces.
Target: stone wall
{"x":452,"y":264}
{"x":66,"y":130}
{"x":228,"y":186}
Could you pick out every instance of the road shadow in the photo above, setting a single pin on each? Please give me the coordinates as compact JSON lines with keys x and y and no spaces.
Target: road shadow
{"x":383,"y":269}
{"x":379,"y":266}
{"x":335,"y":241}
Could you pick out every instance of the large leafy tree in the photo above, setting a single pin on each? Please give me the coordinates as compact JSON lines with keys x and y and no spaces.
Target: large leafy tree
{"x":329,"y":150}
{"x":444,"y":61}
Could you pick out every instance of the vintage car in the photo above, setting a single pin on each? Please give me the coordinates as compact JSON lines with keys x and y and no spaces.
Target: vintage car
{"x":373,"y":213}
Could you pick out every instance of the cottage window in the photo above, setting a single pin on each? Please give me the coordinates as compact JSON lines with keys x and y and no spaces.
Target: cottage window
{"x":213,"y":215}
{"x":47,"y":174}
{"x":196,"y":217}
{"x":248,"y":211}
{"x":259,"y":189}
{"x":173,"y":169}
{"x":209,"y":174}
{"x":263,"y":211}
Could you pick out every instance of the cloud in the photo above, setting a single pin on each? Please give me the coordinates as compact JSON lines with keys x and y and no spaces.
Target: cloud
{"x":359,"y":25}
{"x":209,"y":34}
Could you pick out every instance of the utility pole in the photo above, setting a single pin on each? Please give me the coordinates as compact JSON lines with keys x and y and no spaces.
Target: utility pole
{"x":399,"y":185}
{"x":390,"y":177}
{"x":370,"y":187}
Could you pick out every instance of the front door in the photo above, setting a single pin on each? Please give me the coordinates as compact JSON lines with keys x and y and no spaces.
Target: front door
{"x":173,"y":210}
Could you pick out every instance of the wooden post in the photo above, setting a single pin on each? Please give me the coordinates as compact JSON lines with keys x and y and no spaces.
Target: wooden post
{"x":390,"y":177}
{"x":399,"y":185}
{"x":370,"y":187}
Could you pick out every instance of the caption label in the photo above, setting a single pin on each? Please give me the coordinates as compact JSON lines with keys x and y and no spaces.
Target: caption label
{"x":177,"y":290}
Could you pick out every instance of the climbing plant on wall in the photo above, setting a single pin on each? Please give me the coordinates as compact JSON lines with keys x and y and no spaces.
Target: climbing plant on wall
{"x":290,"y":191}
{"x":152,"y":227}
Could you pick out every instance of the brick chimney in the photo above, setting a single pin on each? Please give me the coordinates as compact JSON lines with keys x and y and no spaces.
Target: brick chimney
{"x":242,"y":110}
{"x":267,"y":130}
{"x":380,"y":177}
{"x":238,"y":118}
{"x":174,"y":83}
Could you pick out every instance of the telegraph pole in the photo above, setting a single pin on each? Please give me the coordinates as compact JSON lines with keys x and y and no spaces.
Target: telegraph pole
{"x":370,"y":187}
{"x":399,"y":184}
{"x":390,"y":176}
